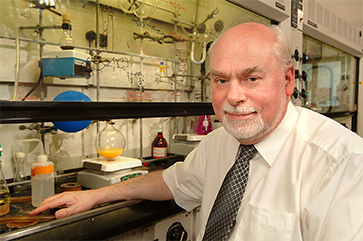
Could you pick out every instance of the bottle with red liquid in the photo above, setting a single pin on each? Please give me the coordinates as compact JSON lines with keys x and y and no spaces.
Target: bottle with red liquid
{"x":159,"y":146}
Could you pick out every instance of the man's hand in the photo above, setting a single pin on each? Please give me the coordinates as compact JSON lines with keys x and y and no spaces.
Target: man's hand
{"x":147,"y":187}
{"x":76,"y":202}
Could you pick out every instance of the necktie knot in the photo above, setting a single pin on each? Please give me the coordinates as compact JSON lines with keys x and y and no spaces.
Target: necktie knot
{"x":246,"y":152}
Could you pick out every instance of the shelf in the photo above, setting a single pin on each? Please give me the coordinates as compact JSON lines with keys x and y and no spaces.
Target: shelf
{"x":50,"y":111}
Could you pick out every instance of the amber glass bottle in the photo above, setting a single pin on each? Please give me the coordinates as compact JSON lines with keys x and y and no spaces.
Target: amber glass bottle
{"x":159,"y":146}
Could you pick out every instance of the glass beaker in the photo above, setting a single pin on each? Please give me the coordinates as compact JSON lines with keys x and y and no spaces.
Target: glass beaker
{"x":23,"y":151}
{"x":110,"y":142}
{"x":53,"y":157}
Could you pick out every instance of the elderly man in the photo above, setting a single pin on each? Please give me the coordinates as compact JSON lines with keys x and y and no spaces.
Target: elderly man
{"x":273,"y":172}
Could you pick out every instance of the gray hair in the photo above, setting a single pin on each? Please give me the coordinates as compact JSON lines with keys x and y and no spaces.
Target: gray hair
{"x":281,"y":48}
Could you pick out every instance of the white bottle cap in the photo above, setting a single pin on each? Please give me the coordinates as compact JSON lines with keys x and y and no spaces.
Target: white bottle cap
{"x":42,"y":158}
{"x":19,"y":154}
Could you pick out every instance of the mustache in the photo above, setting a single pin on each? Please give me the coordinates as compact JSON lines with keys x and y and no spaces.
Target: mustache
{"x":239,"y":109}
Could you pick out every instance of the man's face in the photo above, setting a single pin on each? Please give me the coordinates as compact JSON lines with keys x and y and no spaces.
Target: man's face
{"x":249,"y":91}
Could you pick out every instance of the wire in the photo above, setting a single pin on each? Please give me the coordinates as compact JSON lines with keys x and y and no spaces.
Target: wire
{"x":34,"y":87}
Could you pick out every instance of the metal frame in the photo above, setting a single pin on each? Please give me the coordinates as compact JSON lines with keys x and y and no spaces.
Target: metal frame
{"x":44,"y":111}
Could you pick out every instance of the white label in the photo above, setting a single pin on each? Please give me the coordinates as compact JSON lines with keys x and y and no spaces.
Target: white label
{"x":159,"y":152}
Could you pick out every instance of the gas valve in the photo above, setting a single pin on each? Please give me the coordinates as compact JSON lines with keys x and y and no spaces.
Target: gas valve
{"x":304,"y":75}
{"x":296,"y":93}
{"x":303,"y":93}
{"x":296,"y":55}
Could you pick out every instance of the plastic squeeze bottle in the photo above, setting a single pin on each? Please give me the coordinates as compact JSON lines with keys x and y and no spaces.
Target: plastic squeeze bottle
{"x":42,"y":181}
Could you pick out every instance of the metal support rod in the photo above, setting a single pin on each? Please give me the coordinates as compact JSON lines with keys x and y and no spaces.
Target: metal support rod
{"x":141,"y":89}
{"x":97,"y":61}
{"x":97,"y":53}
{"x":41,"y":47}
{"x":90,"y":49}
{"x":186,"y":75}
{"x":175,"y":76}
{"x":41,"y":27}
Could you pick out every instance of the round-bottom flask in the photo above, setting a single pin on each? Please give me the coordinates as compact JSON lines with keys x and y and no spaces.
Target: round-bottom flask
{"x":110,"y":142}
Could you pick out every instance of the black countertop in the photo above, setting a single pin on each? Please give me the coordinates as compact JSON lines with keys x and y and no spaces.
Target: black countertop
{"x":99,"y":223}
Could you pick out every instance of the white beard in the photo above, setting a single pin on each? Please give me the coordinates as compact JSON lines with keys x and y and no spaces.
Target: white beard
{"x":243,"y":129}
{"x":254,"y":128}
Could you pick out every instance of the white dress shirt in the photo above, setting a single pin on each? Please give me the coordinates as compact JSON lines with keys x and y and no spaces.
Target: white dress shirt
{"x":305,"y":183}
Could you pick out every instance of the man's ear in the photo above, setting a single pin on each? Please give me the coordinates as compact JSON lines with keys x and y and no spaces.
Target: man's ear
{"x":290,"y":80}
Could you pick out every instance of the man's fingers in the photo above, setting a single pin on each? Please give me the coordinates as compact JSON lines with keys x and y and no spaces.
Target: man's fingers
{"x":51,"y":202}
{"x":64,"y":212}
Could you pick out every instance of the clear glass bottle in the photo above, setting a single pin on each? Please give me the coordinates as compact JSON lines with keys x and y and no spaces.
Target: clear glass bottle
{"x":20,"y":176}
{"x":4,"y":190}
{"x":110,"y":142}
{"x":67,"y":42}
{"x":53,"y":157}
{"x":159,"y":146}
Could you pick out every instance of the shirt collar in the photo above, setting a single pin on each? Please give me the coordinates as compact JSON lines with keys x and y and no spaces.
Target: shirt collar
{"x":270,"y":147}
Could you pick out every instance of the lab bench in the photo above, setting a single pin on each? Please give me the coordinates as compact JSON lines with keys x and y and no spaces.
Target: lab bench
{"x":109,"y":220}
{"x":100,"y":223}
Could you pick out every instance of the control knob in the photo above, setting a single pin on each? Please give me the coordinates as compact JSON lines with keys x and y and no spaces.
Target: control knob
{"x":176,"y":232}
